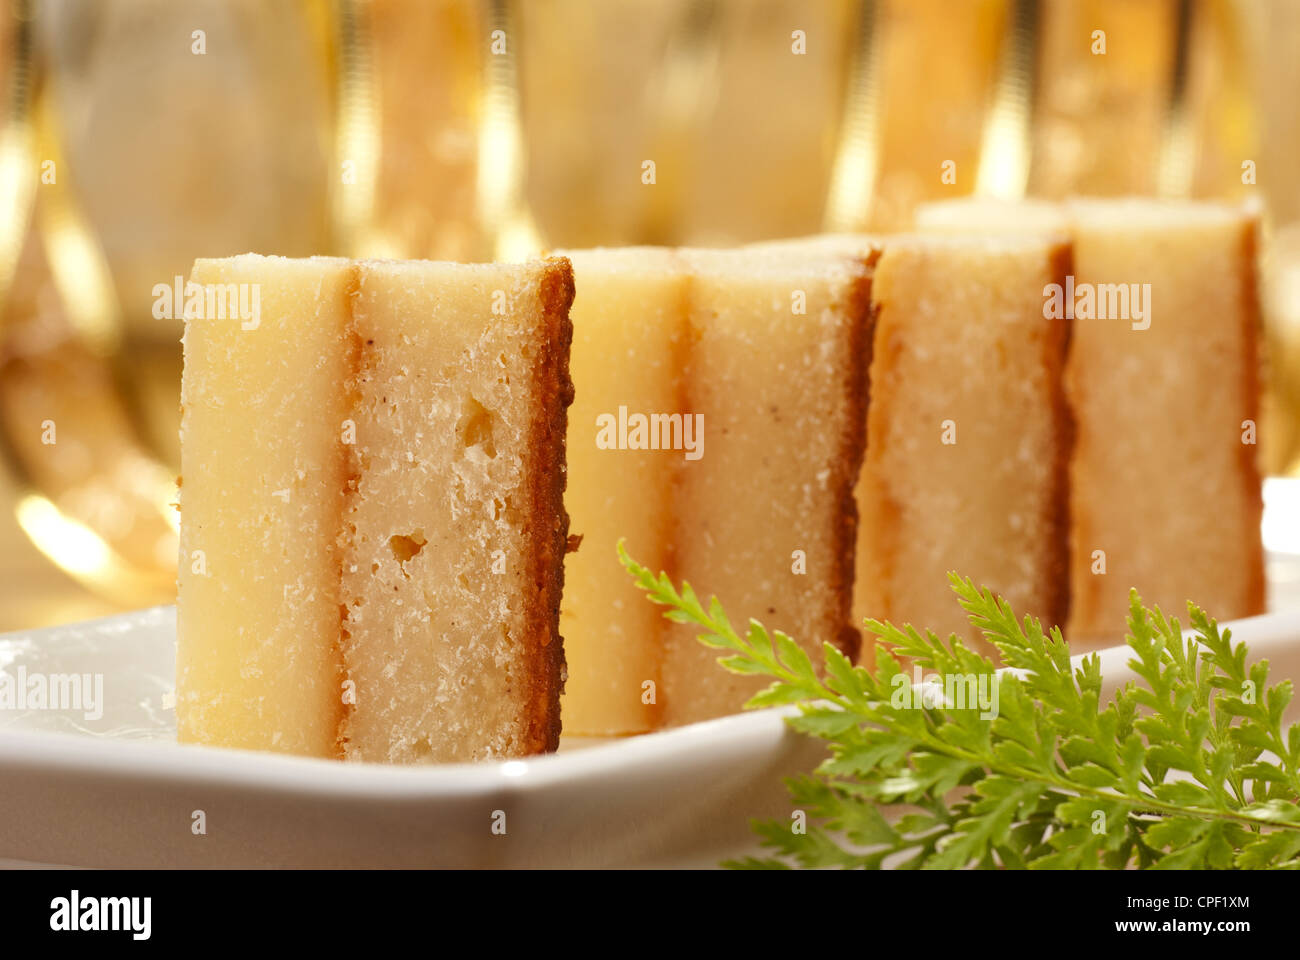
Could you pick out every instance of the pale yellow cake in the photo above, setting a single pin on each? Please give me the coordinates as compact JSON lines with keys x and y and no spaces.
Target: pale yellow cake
{"x":1165,"y":474}
{"x":628,"y":325}
{"x":765,"y":519}
{"x":263,"y":474}
{"x":374,"y":478}
{"x":454,"y":524}
{"x":748,"y":368}
{"x":968,"y":433}
{"x":1163,"y":382}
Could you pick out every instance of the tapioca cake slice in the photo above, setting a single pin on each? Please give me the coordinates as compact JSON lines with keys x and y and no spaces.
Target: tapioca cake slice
{"x":373,"y":529}
{"x":1165,"y":486}
{"x":775,"y":372}
{"x":628,"y":324}
{"x":1167,"y":490}
{"x":968,"y":433}
{"x":454,"y":521}
{"x":263,"y":478}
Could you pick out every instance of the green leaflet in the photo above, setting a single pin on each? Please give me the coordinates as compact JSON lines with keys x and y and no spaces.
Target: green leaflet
{"x":1190,"y":768}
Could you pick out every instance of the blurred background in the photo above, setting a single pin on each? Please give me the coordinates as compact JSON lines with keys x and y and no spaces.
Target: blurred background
{"x":140,"y":134}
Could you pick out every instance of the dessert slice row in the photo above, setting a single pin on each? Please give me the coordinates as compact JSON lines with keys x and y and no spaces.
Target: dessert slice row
{"x":1062,"y":407}
{"x":1058,"y":402}
{"x":771,"y":346}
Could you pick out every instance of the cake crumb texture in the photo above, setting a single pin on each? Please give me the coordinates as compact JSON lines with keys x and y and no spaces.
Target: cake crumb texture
{"x":258,"y":607}
{"x":374,"y":481}
{"x":456,"y":526}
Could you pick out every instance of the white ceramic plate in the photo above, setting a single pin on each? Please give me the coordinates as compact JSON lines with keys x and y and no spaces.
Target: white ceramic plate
{"x":118,"y":791}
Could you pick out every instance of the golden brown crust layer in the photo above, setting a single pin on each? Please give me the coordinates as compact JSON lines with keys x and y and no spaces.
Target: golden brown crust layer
{"x":853,"y":448}
{"x":1084,"y":591}
{"x":546,"y":478}
{"x":1256,"y":587}
{"x":352,"y":477}
{"x":886,"y":511}
{"x":1056,"y":569}
{"x":684,"y":338}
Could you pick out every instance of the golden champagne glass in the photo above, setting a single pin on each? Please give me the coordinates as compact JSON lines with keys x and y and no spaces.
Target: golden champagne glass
{"x":922,"y":79}
{"x":429,"y":144}
{"x":138,"y":165}
{"x":85,"y":493}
